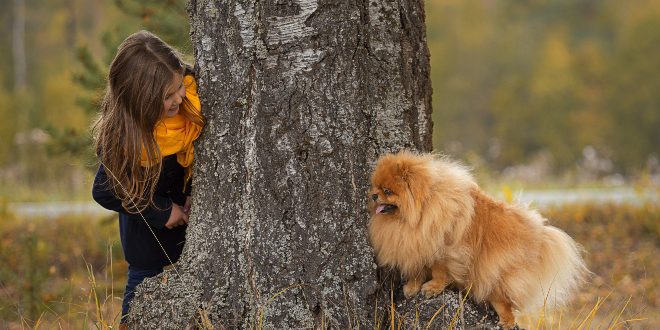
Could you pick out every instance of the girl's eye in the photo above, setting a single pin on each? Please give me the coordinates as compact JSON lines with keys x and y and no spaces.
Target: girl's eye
{"x":181,"y":87}
{"x":387,"y":192}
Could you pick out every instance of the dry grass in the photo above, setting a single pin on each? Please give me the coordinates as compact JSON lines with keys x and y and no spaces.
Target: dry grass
{"x":69,"y":272}
{"x":60,"y":273}
{"x":622,"y":245}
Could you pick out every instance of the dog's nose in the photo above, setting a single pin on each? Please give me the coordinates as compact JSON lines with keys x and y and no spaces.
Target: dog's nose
{"x":374,"y":197}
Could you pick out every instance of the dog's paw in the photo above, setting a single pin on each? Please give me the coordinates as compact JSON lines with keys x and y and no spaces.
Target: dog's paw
{"x":507,"y":322}
{"x":507,"y":325}
{"x":410,"y":289}
{"x":432,"y":288}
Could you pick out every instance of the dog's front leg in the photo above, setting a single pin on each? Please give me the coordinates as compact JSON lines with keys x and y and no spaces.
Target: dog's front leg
{"x":412,"y":286}
{"x":439,"y":280}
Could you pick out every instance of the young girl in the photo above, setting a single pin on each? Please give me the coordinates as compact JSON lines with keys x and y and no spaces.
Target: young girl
{"x":149,"y":118}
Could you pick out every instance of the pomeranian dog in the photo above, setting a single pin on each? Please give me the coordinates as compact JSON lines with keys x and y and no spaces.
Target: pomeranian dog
{"x":430,"y":220}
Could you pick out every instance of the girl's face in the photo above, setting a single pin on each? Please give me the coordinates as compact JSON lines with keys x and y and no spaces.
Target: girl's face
{"x":174,"y":96}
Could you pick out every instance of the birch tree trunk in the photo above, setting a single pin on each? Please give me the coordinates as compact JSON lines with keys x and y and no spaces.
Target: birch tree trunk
{"x":301,"y":97}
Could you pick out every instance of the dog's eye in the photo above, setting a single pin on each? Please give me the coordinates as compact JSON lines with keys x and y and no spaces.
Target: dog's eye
{"x":387,"y":192}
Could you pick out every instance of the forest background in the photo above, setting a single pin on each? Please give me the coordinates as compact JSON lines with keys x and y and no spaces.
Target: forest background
{"x":532,"y":94}
{"x":565,"y":89}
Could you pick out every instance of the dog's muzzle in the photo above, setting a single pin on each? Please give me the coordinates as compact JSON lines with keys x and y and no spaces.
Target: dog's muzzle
{"x":385,"y":208}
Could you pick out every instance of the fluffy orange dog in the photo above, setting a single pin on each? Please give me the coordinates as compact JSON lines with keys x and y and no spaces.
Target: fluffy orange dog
{"x":431,"y":221}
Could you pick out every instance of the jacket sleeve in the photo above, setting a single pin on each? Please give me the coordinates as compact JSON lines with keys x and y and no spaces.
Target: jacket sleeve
{"x":156,"y":216}
{"x":187,"y":190}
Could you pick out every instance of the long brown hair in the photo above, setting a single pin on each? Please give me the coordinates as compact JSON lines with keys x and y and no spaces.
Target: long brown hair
{"x":139,"y":77}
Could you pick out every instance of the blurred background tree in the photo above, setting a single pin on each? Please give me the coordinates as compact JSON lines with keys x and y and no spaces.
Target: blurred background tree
{"x":52,"y":82}
{"x":568,"y":84}
{"x":516,"y":79}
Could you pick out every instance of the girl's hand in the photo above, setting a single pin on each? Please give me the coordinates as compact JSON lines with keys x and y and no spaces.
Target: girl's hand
{"x":177,"y":217}
{"x":186,"y":207}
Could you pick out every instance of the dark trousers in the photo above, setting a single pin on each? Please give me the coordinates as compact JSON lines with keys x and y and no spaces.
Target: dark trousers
{"x":135,"y":277}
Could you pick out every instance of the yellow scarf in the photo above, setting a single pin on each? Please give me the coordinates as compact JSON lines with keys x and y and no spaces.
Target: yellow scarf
{"x":175,"y":135}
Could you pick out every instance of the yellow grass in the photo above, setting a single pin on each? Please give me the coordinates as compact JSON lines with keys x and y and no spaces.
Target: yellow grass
{"x":69,"y":273}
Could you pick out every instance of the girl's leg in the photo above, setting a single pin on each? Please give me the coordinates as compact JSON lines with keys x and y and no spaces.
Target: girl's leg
{"x":135,"y":277}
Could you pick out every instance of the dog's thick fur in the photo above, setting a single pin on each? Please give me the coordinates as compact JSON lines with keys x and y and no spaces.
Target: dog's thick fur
{"x":431,"y":220}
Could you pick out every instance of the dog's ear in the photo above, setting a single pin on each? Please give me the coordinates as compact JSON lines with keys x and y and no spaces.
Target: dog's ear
{"x":403,"y":170}
{"x":419,"y":191}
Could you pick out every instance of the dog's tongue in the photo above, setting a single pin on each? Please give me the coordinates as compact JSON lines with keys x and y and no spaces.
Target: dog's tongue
{"x":380,"y":208}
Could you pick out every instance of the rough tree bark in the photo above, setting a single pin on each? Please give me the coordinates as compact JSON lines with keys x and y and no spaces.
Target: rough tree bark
{"x":301,"y":96}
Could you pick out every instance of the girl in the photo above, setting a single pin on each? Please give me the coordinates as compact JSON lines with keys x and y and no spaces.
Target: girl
{"x":149,"y":118}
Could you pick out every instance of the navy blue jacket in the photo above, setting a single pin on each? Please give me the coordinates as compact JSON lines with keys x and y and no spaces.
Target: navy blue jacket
{"x":141,"y":248}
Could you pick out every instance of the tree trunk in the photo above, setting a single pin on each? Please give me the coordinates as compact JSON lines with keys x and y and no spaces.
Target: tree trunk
{"x":301,"y":97}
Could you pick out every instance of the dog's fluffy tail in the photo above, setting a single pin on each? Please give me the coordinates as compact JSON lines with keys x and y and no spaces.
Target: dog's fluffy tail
{"x":562,"y":268}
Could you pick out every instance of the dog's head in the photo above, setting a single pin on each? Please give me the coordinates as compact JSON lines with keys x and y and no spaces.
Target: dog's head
{"x":400,"y":184}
